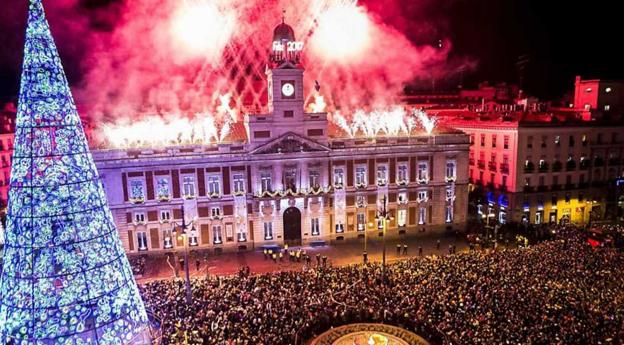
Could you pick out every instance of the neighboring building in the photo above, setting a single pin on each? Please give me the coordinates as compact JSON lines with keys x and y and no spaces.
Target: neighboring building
{"x":597,"y":98}
{"x":534,"y":169}
{"x":285,"y":177}
{"x":7,"y":133}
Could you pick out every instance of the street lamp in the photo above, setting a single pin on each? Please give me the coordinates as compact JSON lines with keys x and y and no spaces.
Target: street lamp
{"x":383,"y":216}
{"x":184,"y":236}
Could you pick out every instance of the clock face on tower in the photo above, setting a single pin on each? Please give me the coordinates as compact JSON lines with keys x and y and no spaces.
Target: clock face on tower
{"x":288,"y":89}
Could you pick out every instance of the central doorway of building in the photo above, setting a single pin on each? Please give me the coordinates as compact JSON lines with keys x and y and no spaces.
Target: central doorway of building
{"x":292,"y":226}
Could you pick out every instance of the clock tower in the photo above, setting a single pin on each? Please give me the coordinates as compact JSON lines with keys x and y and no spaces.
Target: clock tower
{"x":286,"y":100}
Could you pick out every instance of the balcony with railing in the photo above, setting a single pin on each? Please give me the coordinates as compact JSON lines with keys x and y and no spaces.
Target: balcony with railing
{"x":542,"y":188}
{"x":543,"y":167}
{"x":529,"y":167}
{"x":599,"y":162}
{"x":569,"y":186}
{"x":570,"y":165}
{"x":584,"y":164}
{"x":527,"y":189}
{"x":614,"y":161}
{"x":583,"y":185}
{"x":555,"y":186}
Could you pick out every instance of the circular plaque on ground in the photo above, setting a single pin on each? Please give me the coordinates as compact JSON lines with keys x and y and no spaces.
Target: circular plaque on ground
{"x":368,"y":334}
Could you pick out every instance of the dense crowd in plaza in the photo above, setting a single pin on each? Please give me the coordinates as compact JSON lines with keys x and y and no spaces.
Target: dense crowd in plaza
{"x":561,"y":292}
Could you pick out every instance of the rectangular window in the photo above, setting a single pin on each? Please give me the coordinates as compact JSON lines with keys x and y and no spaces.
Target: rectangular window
{"x":482,"y":140}
{"x":361,"y":222}
{"x":136,"y":190}
{"x":571,"y":141}
{"x":451,"y":170}
{"x":188,"y":186}
{"x":268,"y":231}
{"x":216,"y":234}
{"x":402,"y":198}
{"x":290,"y":179}
{"x":339,"y":228}
{"x":265,"y":180}
{"x":493,"y":140}
{"x":360,"y":176}
{"x":422,"y":213}
{"x":142,"y":240}
{"x":215,"y":212}
{"x":315,"y":179}
{"x":530,"y":142}
{"x":289,"y":113}
{"x":193,"y":237}
{"x":214,"y":185}
{"x":338,"y":177}
{"x":449,"y":213}
{"x":506,"y":142}
{"x":402,"y":217}
{"x":239,"y":183}
{"x":402,"y":173}
{"x":167,"y":239}
{"x":423,"y":172}
{"x":557,"y":140}
{"x":165,"y":215}
{"x":139,"y":217}
{"x":382,"y":175}
{"x":315,"y":227}
{"x":422,"y":196}
{"x":504,"y":181}
{"x":163,"y":189}
{"x":472,"y":139}
{"x":242,"y":233}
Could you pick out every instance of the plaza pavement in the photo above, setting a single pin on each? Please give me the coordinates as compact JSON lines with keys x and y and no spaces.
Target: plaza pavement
{"x":342,"y":253}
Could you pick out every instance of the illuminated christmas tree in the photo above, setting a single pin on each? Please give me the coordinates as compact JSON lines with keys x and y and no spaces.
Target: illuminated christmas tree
{"x":66,"y":278}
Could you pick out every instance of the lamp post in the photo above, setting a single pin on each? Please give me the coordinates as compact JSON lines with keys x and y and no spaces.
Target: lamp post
{"x":184,"y":235}
{"x":383,"y":216}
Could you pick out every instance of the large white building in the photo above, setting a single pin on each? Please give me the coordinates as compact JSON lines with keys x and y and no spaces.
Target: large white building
{"x":285,"y":177}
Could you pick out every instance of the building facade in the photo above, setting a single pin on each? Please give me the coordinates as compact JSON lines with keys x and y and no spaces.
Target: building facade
{"x":7,"y":134}
{"x":543,"y":171}
{"x":285,"y":177}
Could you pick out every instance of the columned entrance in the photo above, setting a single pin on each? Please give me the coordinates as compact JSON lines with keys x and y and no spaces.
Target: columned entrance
{"x":292,"y":226}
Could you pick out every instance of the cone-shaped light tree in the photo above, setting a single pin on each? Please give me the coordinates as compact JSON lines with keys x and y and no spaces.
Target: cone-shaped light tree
{"x":66,"y":278}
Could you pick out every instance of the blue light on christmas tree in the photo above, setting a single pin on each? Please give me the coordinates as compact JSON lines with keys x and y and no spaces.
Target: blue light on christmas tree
{"x":66,"y":278}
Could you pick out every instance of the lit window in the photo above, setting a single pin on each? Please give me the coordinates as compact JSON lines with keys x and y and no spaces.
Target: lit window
{"x":268,"y":231}
{"x":557,"y":140}
{"x":361,"y":222}
{"x":402,"y":198}
{"x":216,"y":234}
{"x":214,"y":185}
{"x":165,"y":215}
{"x":449,"y":213}
{"x":339,"y":177}
{"x":188,"y":186}
{"x":402,"y":217}
{"x":382,"y":175}
{"x":607,"y":90}
{"x":360,"y":176}
{"x":607,"y":107}
{"x":168,"y":243}
{"x":316,"y":228}
{"x":163,"y":188}
{"x":193,"y":237}
{"x":402,"y":173}
{"x":215,"y":212}
{"x":315,"y":178}
{"x":423,"y":172}
{"x":422,"y":212}
{"x":136,"y":190}
{"x":589,"y":89}
{"x":239,"y":183}
{"x":142,"y":240}
{"x":139,"y":217}
{"x":422,"y":196}
{"x":242,"y":233}
{"x":265,"y":179}
{"x":339,"y":228}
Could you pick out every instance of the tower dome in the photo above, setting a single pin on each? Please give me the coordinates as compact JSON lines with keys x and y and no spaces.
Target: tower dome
{"x":283,"y":32}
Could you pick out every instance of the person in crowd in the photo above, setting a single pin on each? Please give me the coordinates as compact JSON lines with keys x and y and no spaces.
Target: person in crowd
{"x":554,"y":292}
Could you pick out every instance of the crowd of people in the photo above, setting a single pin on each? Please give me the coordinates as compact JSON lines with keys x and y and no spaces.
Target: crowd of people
{"x":562,"y":291}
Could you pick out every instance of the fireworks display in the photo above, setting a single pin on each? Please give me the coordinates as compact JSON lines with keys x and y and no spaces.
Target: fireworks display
{"x":159,"y":76}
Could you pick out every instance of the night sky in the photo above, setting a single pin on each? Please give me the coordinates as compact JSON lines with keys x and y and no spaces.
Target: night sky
{"x":558,"y":39}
